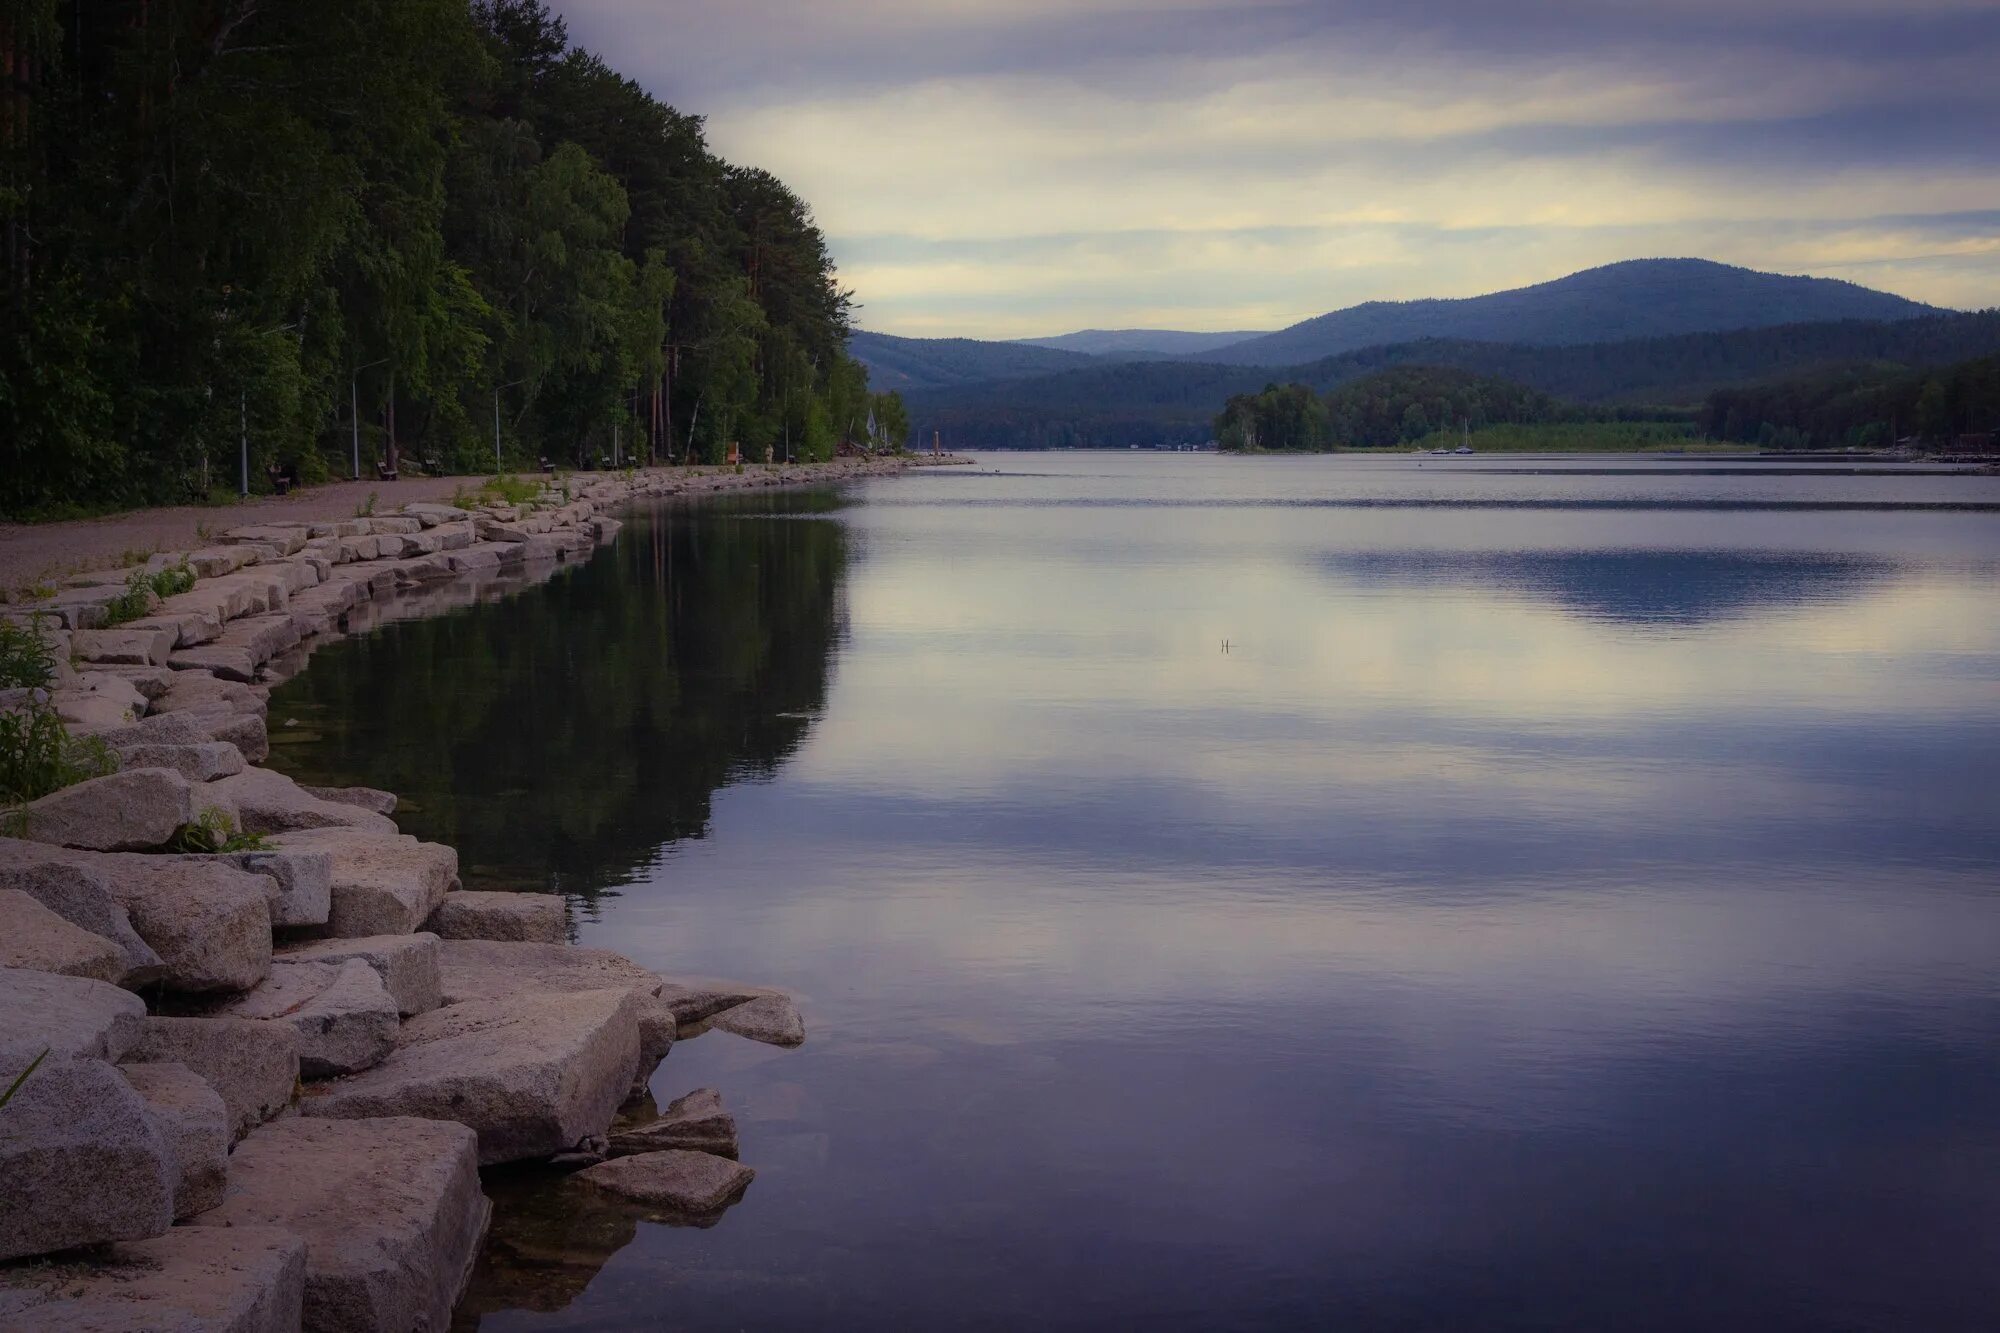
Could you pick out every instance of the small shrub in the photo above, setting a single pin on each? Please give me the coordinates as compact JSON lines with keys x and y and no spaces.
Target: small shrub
{"x":38,"y":755}
{"x":134,"y":602}
{"x":133,"y":557}
{"x":177,"y":579}
{"x":204,"y":532}
{"x":212,"y":831}
{"x":366,"y":509}
{"x":26,"y":659}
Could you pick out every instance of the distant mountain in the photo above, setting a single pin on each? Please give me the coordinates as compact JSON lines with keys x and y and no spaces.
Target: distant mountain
{"x":1642,"y":298}
{"x":929,"y":363}
{"x":1134,"y":344}
{"x":1174,"y":402}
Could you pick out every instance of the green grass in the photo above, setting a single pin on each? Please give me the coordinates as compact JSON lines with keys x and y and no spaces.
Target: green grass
{"x":498,"y":490}
{"x":213,"y":831}
{"x":1579,"y":437}
{"x":134,"y":602}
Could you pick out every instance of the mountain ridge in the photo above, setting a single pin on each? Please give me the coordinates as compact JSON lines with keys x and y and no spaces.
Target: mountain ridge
{"x":1619,"y":302}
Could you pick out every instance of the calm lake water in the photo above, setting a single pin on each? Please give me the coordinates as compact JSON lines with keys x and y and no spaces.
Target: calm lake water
{"x":1248,"y":894}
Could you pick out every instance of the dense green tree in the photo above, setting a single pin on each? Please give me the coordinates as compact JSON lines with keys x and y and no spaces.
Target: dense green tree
{"x":232,"y":226}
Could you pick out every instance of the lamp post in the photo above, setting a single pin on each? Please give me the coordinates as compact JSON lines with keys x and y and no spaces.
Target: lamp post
{"x":354,"y":409}
{"x":496,"y":422}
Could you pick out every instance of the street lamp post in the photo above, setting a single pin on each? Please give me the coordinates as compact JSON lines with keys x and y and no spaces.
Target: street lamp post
{"x":496,"y":423}
{"x":354,"y":409}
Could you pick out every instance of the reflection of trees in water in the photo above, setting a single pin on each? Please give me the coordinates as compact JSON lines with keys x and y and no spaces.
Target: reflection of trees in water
{"x":1672,"y":588}
{"x":557,"y":738}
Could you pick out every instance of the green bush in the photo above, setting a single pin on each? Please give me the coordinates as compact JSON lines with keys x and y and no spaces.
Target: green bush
{"x":171,"y":581}
{"x":26,"y":659}
{"x":136,"y":601}
{"x":38,"y":755}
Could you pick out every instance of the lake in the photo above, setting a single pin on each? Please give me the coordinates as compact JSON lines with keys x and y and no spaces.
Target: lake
{"x":1224,"y":893}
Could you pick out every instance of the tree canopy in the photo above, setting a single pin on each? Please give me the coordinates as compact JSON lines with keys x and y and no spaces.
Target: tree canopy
{"x":228,"y":221}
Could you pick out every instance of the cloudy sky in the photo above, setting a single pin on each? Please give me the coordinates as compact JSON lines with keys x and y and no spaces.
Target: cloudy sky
{"x":1005,"y":168}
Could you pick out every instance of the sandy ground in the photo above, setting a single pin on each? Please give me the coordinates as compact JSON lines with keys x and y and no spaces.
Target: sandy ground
{"x":32,"y":553}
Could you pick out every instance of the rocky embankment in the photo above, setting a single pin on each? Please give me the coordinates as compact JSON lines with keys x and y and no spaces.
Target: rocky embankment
{"x":264,"y":1040}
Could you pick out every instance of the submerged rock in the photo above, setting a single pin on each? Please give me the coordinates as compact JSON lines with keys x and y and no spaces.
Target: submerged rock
{"x":771,"y":1019}
{"x":694,"y":1123}
{"x":673,"y":1181}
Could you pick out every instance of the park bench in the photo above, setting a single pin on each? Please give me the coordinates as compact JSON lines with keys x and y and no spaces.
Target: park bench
{"x":431,"y":466}
{"x":283,"y":476}
{"x":385,"y":472}
{"x":547,"y":466}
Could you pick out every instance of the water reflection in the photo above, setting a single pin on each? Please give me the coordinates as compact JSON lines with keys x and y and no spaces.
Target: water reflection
{"x":560,"y":739}
{"x":1672,"y":588}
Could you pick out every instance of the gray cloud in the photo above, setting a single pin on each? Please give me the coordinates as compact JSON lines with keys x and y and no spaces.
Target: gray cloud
{"x":1005,"y":168}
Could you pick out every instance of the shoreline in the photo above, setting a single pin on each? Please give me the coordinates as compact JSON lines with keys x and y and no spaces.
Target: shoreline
{"x":270,"y":1041}
{"x":52,"y":552}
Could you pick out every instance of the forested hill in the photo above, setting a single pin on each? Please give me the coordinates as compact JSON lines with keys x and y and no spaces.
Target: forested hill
{"x":931,"y":363}
{"x":1643,"y":298}
{"x":1176,"y":402}
{"x":223,"y":216}
{"x":1139,"y":344}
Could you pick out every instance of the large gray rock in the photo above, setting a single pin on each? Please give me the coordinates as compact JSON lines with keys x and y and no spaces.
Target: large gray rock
{"x":269,"y":802}
{"x":202,"y":761}
{"x":493,"y":969}
{"x":288,"y":538}
{"x":383,"y":883}
{"x":71,"y":1016}
{"x":204,"y":691}
{"x":407,"y":964}
{"x":694,"y":1123}
{"x":533,"y":1075}
{"x":533,"y":917}
{"x":195,"y":1125}
{"x":80,"y":897}
{"x":252,"y":1065}
{"x":368,"y":798}
{"x":32,"y":936}
{"x":771,"y":1019}
{"x":128,"y":811}
{"x":673,"y":1181}
{"x":694,"y":999}
{"x":343,"y":1016}
{"x":82,"y":1158}
{"x":210,"y":924}
{"x":304,"y":882}
{"x":191,"y":1280}
{"x":390,"y":1211}
{"x":128,"y":646}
